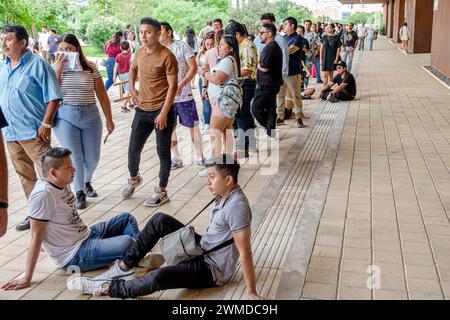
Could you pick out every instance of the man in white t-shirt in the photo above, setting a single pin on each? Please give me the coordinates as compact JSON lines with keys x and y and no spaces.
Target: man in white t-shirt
{"x":43,"y":44}
{"x":362,"y":33}
{"x":56,"y":225}
{"x":184,"y":104}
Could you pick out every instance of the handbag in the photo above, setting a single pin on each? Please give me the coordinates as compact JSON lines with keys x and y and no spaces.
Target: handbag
{"x":181,"y":245}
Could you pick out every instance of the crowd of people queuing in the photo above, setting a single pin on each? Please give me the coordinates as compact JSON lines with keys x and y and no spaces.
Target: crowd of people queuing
{"x":61,"y":90}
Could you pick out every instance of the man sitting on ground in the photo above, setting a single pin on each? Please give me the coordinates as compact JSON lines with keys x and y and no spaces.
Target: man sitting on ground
{"x":56,"y":225}
{"x":346,"y":89}
{"x":230,"y":219}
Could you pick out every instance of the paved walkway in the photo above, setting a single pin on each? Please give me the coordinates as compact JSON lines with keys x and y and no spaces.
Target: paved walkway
{"x":365,"y":184}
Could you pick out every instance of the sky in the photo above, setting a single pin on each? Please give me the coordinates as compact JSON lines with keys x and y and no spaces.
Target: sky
{"x":330,"y":3}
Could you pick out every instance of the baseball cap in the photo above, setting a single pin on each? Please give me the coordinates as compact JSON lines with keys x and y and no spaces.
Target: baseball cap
{"x":341,"y":64}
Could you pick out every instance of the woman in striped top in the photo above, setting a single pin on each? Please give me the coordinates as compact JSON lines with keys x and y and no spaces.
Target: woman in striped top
{"x":78,"y":125}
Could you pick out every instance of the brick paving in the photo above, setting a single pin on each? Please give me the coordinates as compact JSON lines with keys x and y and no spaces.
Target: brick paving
{"x":386,"y":201}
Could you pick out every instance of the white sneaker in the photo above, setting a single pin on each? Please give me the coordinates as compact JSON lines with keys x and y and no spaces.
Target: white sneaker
{"x":203,"y":173}
{"x":87,"y":285}
{"x":151,"y":261}
{"x":157,"y":198}
{"x":114,"y":273}
{"x":205,"y":129}
{"x":128,"y":191}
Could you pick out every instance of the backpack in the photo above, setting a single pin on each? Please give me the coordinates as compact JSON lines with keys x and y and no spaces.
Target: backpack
{"x":230,"y":98}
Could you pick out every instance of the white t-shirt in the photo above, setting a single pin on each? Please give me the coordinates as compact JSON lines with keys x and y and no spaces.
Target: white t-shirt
{"x":65,"y":230}
{"x":362,"y":32}
{"x":183,"y":52}
{"x":43,"y":40}
{"x":226,"y":65}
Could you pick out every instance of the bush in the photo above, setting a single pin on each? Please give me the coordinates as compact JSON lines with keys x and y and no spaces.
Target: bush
{"x":102,"y":29}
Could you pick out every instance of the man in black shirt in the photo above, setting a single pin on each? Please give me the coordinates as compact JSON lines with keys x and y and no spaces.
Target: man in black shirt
{"x":3,"y":180}
{"x":346,"y":89}
{"x":268,"y":80}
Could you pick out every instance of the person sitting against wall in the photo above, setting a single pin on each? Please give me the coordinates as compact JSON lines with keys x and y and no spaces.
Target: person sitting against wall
{"x":346,"y":89}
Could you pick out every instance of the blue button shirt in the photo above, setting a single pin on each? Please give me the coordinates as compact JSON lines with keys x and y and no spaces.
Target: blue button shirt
{"x":25,"y":92}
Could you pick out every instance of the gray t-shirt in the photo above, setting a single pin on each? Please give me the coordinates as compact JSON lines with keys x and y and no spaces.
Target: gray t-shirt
{"x":232,"y":216}
{"x":65,"y":230}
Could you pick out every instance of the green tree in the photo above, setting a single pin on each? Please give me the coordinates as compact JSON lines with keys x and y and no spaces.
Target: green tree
{"x":250,"y":13}
{"x":360,"y":17}
{"x":102,"y":29}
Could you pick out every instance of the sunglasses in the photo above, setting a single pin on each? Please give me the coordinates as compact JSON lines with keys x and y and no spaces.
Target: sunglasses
{"x":106,"y":138}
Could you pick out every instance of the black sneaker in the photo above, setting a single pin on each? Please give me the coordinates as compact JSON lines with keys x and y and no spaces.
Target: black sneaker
{"x":300,"y":123}
{"x":319,"y":81}
{"x":280,"y":121}
{"x":90,"y":192}
{"x":24,"y":225}
{"x":81,"y":199}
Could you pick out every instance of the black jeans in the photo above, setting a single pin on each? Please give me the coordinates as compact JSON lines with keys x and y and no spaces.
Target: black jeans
{"x":141,"y":128}
{"x":342,"y":95}
{"x":244,"y":120}
{"x":193,"y":274}
{"x":264,"y":107}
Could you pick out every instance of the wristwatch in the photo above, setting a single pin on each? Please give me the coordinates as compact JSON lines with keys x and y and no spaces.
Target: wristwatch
{"x":46,"y":125}
{"x":3,"y":205}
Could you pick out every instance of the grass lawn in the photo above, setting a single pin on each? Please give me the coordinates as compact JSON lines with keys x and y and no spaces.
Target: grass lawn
{"x":92,"y":51}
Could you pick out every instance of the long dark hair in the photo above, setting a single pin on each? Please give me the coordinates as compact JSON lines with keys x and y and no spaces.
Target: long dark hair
{"x":233,"y":43}
{"x":116,"y":38}
{"x":190,"y":37}
{"x":73,"y":40}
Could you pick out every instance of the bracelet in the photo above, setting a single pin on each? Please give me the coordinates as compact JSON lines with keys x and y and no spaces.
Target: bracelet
{"x":204,"y":87}
{"x":3,"y":205}
{"x":46,"y":125}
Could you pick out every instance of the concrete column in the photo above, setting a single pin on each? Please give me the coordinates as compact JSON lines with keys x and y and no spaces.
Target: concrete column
{"x":419,"y":16}
{"x":390,"y":19}
{"x":440,"y":49}
{"x":399,"y":18}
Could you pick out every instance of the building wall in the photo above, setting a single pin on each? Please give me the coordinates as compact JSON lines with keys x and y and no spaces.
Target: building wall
{"x":440,"y":48}
{"x":419,"y":16}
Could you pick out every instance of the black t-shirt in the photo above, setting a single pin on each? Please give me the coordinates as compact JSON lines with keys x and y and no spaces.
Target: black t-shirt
{"x":295,"y":65}
{"x":3,"y":122}
{"x":349,"y":38}
{"x":271,"y":58}
{"x":349,"y":79}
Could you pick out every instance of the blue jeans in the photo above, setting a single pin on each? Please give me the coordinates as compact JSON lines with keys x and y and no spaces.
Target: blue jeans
{"x":107,"y":242}
{"x":206,"y":104}
{"x":317,"y":67}
{"x":347,"y":54}
{"x":110,"y":62}
{"x":79,"y":128}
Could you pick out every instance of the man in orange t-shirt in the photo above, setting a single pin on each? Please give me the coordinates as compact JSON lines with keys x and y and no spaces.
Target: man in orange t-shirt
{"x":157,"y":70}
